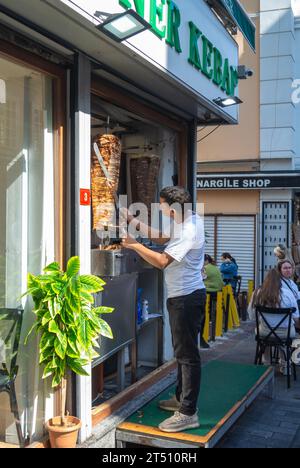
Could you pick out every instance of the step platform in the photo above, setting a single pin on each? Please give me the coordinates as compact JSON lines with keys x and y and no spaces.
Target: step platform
{"x":227,"y":390}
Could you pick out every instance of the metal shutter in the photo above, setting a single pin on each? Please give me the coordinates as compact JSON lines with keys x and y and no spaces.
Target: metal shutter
{"x":236,"y":235}
{"x":209,"y":227}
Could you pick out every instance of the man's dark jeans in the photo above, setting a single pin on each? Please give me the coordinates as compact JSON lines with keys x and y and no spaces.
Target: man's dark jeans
{"x":187,"y":314}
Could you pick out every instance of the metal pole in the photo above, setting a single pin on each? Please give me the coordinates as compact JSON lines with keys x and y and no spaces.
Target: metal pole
{"x":81,"y":222}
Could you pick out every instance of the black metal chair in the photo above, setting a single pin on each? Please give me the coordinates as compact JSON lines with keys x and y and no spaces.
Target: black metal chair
{"x":10,"y":331}
{"x":272,"y":340}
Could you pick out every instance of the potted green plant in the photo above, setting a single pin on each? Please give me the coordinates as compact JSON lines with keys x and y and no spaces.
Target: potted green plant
{"x":69,"y":326}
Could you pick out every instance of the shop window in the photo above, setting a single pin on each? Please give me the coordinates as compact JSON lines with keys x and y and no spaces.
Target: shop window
{"x":27,"y":224}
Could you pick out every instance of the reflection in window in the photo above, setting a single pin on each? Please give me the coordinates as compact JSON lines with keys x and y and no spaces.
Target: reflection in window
{"x":27,"y":221}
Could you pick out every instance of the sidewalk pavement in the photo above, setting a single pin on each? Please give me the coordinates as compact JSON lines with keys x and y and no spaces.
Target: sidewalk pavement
{"x":267,"y":423}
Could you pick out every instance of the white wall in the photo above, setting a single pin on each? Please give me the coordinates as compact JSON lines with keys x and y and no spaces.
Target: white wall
{"x":297,"y":106}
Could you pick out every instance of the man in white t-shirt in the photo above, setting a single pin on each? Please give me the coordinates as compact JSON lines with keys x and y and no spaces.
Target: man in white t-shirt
{"x":182,"y":262}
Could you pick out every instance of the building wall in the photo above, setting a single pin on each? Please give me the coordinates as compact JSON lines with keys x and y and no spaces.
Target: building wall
{"x":266,"y":137}
{"x":241,"y":141}
{"x":248,"y":202}
{"x":277,"y":111}
{"x":297,"y":93}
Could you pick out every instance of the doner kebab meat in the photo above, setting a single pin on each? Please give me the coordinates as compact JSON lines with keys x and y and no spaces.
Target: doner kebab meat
{"x":102,"y":191}
{"x":144,"y":176}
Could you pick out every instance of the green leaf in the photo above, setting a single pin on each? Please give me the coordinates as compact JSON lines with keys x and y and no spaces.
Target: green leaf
{"x":73,"y":302}
{"x":51,"y":308}
{"x":61,"y":347}
{"x":91,"y":283}
{"x":71,"y":353}
{"x":73,"y":266}
{"x":75,"y":286}
{"x":86,"y":297}
{"x":57,"y":307}
{"x":105,"y":329}
{"x":45,"y":355}
{"x":72,"y":340}
{"x":56,"y":381}
{"x":52,"y":267}
{"x":48,"y":370}
{"x":47,"y":317}
{"x":76,"y":366}
{"x":47,"y":340}
{"x":30,"y":331}
{"x":89,"y":314}
{"x":103,"y":310}
{"x":55,"y":362}
{"x":53,"y":328}
{"x":56,"y":288}
{"x":83,"y":332}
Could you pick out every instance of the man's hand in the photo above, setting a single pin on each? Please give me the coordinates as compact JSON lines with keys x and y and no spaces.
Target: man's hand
{"x":126,"y":215}
{"x":156,"y":259}
{"x":129,"y":243}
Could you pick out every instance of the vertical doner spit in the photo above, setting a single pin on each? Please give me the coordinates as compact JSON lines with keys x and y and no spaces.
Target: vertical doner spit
{"x":103,"y":192}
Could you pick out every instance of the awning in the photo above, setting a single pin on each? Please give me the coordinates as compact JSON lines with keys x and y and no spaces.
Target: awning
{"x":236,"y":13}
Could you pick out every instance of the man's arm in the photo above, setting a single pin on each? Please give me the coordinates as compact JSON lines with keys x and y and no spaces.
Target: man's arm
{"x":158,"y":260}
{"x":152,"y":234}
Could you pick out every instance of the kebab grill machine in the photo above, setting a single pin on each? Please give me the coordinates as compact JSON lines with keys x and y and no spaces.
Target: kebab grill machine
{"x":118,"y":267}
{"x":108,"y":258}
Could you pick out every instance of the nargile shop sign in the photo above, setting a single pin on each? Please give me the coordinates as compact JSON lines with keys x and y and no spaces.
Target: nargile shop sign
{"x":165,"y":19}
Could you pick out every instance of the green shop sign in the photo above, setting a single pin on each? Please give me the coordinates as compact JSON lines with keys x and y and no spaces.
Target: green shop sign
{"x":203,"y":54}
{"x":239,"y":15}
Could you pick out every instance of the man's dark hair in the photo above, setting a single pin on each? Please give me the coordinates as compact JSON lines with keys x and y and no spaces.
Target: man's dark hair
{"x":174,"y":195}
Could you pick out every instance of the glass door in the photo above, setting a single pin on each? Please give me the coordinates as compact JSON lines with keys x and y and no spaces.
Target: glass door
{"x":26,"y":224}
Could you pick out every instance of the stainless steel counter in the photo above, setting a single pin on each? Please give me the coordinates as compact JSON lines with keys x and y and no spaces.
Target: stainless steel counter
{"x":120,"y":293}
{"x":115,"y":263}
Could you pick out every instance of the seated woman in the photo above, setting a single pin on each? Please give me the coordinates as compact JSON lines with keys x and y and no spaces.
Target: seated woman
{"x":229,"y":270}
{"x":286,"y":270}
{"x":274,"y":294}
{"x":213,"y":279}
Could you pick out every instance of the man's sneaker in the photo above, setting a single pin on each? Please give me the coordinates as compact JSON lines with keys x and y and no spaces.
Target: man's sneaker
{"x":179,"y":422}
{"x":169,"y":405}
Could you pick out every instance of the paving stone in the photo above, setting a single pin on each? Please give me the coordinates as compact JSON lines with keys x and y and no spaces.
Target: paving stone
{"x":290,"y":425}
{"x":267,"y":423}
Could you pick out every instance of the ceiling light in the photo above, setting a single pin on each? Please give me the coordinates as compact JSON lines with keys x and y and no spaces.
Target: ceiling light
{"x":227,"y":102}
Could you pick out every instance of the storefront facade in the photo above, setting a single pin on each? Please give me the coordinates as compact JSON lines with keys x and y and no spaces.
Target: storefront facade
{"x":62,"y":83}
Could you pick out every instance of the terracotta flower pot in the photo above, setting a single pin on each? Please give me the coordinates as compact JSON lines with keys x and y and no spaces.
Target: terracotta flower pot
{"x":63,"y":436}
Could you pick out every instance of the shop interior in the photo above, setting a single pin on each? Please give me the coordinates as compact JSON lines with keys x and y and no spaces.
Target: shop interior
{"x":140,"y":157}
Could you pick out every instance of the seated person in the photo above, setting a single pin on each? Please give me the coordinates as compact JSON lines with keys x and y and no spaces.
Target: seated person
{"x":229,"y":270}
{"x":286,"y":270}
{"x":212,"y":276}
{"x":273,"y":294}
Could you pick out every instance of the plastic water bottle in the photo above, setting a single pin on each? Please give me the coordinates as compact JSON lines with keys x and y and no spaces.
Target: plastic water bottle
{"x":145,"y":310}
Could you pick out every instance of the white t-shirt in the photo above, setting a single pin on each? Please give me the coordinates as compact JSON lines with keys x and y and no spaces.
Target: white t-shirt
{"x":183,"y":276}
{"x":290,"y":285}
